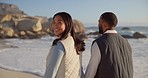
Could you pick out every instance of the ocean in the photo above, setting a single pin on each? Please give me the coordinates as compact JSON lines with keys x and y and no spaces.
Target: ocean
{"x":30,"y":56}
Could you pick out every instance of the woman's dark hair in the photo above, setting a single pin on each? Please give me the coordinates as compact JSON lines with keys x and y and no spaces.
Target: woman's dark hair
{"x":79,"y":44}
{"x":110,"y":18}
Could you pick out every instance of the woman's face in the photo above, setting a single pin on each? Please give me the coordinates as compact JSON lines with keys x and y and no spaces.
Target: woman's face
{"x":58,"y":26}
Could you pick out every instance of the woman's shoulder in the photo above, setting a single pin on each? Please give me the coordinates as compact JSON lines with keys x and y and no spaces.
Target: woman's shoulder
{"x":69,"y":39}
{"x":59,"y":45}
{"x":68,"y":42}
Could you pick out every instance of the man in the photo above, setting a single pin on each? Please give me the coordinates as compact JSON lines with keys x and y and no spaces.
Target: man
{"x":111,"y":54}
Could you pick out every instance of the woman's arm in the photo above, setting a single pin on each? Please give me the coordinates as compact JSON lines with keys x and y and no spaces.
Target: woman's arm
{"x":55,"y":59}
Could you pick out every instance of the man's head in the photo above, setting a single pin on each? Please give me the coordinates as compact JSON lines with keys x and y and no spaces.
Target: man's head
{"x":108,"y":20}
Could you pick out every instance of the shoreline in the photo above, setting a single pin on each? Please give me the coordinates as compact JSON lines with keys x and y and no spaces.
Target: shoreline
{"x":5,"y":73}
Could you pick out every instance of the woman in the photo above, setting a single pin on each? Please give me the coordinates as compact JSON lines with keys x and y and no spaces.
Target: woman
{"x":63,"y":60}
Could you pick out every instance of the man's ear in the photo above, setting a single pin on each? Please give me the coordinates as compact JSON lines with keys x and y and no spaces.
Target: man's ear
{"x":105,"y":25}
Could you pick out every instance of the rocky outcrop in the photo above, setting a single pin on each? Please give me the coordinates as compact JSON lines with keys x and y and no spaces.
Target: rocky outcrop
{"x":23,"y":26}
{"x":79,"y":29}
{"x":127,"y":36}
{"x":10,"y":9}
{"x":46,"y":24}
{"x":14,"y":23}
{"x":139,"y":35}
{"x":6,"y":32}
{"x":125,"y":28}
{"x":29,"y":25}
{"x":78,"y":26}
{"x":5,"y":17}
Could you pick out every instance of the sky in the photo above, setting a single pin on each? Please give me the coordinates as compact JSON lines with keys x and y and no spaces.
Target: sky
{"x":129,"y":12}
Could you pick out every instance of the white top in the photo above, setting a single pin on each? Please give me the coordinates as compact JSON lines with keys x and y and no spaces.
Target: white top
{"x":63,"y":60}
{"x":95,"y":59}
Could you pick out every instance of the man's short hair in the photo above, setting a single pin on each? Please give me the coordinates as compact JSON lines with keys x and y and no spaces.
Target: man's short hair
{"x":110,"y":18}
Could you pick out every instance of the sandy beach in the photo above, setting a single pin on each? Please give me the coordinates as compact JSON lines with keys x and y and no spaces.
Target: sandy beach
{"x":4,"y":73}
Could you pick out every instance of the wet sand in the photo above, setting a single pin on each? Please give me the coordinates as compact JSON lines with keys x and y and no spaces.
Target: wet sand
{"x":4,"y":73}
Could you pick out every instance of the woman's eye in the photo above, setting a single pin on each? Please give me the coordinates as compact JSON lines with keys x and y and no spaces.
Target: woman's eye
{"x":59,"y":23}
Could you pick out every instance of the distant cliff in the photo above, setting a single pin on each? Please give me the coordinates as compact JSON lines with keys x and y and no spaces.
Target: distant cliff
{"x":10,"y":9}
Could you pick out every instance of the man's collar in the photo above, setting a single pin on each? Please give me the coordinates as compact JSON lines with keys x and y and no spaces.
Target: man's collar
{"x":110,"y":31}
